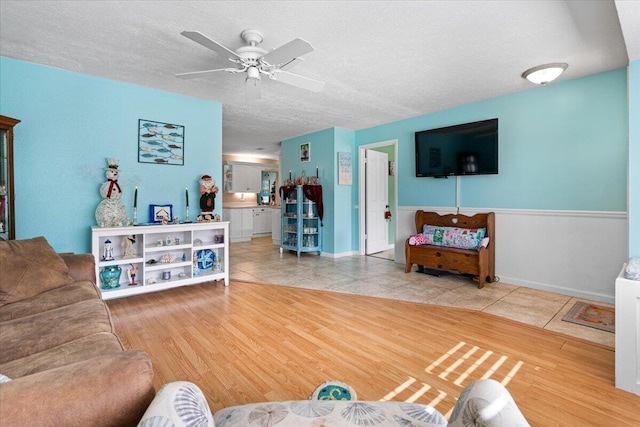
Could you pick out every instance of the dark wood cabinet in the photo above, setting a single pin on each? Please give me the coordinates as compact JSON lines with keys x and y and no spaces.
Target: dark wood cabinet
{"x":7,"y":205}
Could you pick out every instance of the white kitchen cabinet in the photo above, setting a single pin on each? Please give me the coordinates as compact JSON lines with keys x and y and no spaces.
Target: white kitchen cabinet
{"x":158,"y":257}
{"x":276,"y":226}
{"x":242,"y":178}
{"x":247,"y":223}
{"x":261,"y":221}
{"x":240,"y":223}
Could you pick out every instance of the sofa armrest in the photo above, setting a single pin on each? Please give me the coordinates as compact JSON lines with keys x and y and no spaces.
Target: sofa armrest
{"x":179,"y":403}
{"x":110,"y":390}
{"x":81,"y":266}
{"x":486,"y":403}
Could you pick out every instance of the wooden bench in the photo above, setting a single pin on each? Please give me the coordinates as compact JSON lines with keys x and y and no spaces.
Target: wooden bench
{"x":479,"y":263}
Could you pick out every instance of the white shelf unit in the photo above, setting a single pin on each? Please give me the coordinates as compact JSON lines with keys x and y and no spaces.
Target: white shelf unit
{"x":627,"y":333}
{"x":183,"y":243}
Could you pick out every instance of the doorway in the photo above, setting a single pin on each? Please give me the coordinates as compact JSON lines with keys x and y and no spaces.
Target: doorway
{"x":372,"y":173}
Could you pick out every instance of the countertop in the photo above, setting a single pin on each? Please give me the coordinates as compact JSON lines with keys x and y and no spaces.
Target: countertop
{"x":245,"y":206}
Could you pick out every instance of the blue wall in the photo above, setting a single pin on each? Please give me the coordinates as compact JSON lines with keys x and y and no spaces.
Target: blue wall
{"x":70,"y":124}
{"x":634,"y":159}
{"x":562,"y":147}
{"x":344,"y":194}
{"x":337,"y":199}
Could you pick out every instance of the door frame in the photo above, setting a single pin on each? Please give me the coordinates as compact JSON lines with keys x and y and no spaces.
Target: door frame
{"x":362,"y":205}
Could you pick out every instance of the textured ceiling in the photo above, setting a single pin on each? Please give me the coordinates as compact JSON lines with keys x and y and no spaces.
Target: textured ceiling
{"x":382,"y":61}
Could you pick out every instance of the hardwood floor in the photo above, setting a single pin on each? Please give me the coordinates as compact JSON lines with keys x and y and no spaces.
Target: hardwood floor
{"x":259,"y":342}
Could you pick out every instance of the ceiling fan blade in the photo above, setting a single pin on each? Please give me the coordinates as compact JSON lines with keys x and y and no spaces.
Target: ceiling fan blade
{"x":195,"y":74}
{"x":291,"y":64}
{"x":210,"y":44}
{"x":253,"y":87}
{"x":298,"y":81}
{"x":287,"y":52}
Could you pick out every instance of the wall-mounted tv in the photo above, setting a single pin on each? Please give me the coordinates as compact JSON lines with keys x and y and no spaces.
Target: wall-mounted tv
{"x":465,"y":149}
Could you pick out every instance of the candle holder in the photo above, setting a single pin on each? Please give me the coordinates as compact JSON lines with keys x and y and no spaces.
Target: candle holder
{"x":187,"y":215}
{"x":135,"y":216}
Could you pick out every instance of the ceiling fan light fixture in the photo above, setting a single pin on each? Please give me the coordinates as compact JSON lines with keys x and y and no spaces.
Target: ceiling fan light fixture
{"x":544,"y":74}
{"x":253,"y":73}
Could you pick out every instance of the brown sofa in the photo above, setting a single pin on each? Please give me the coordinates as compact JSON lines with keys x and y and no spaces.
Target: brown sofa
{"x":58,"y":346}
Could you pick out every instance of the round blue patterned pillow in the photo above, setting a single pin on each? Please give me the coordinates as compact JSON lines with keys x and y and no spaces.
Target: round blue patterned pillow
{"x":334,"y":390}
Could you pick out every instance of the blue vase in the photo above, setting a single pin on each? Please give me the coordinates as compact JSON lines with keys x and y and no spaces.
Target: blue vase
{"x":110,"y":277}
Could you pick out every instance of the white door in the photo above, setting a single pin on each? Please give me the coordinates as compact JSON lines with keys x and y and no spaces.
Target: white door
{"x":376,"y":199}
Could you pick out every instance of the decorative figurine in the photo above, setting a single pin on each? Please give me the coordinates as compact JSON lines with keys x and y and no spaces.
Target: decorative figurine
{"x":131,"y":272}
{"x":128,"y":248}
{"x":111,"y":211}
{"x":208,"y":191}
{"x":107,"y":254}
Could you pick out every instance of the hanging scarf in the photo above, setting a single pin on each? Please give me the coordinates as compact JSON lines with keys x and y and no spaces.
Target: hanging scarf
{"x":314,"y":193}
{"x":285,"y":190}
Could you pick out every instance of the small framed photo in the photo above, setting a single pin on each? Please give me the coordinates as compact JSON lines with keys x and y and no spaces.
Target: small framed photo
{"x":305,"y":152}
{"x":160,"y":213}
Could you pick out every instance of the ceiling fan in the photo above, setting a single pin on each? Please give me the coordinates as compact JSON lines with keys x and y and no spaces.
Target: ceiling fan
{"x":256,"y":61}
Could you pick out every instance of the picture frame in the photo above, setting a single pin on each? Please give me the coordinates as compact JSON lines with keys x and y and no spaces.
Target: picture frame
{"x":160,"y":143}
{"x":158,"y":213}
{"x":305,"y":152}
{"x":345,"y":169}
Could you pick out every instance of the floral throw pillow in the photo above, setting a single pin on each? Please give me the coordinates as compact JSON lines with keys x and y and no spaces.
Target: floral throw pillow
{"x":454,"y":237}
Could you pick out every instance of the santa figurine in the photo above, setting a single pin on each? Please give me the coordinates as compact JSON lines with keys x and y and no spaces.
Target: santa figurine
{"x":111,"y":211}
{"x":208,"y":191}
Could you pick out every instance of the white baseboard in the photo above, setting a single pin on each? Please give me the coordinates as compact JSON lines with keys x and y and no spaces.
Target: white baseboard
{"x":340,"y":255}
{"x":563,"y":290}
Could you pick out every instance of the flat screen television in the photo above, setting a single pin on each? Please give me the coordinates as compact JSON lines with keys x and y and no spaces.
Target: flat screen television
{"x":465,"y":149}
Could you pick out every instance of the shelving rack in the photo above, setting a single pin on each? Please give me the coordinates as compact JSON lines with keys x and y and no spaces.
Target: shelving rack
{"x":301,"y":225}
{"x":165,"y":256}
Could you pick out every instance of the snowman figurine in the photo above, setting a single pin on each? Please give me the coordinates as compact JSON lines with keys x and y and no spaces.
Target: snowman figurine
{"x":111,"y":211}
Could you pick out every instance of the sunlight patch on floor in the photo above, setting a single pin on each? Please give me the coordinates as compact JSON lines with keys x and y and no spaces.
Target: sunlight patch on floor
{"x":402,"y":387}
{"x":456,"y":358}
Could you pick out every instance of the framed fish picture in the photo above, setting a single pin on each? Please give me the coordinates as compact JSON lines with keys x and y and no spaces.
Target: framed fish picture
{"x":160,"y":143}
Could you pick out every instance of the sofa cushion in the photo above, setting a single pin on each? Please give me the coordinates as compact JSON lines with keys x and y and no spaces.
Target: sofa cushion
{"x":58,"y":297}
{"x":38,"y":332}
{"x":298,"y":413}
{"x":74,"y":351}
{"x":453,"y":237}
{"x":110,"y":390}
{"x":29,"y":267}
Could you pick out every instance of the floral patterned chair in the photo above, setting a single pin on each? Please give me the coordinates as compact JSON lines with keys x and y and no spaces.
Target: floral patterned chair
{"x":482,"y":403}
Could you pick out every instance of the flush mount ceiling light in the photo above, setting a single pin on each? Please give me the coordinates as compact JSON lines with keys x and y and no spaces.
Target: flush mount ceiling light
{"x":543,"y":74}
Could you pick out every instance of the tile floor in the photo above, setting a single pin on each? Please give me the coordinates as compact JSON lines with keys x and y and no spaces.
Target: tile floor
{"x":261,"y":261}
